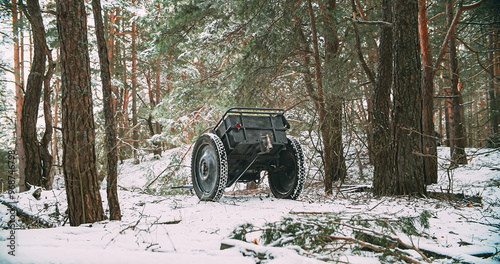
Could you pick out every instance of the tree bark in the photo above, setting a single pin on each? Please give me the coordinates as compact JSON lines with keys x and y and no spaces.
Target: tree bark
{"x":135,"y":135}
{"x":457,"y":133}
{"x":47,"y":159}
{"x":33,"y":170}
{"x":56,"y":116}
{"x":109,"y":115}
{"x":19,"y":99}
{"x":493,"y":97}
{"x":371,"y":78}
{"x":330,"y":114}
{"x":158,"y":145}
{"x":429,"y":139}
{"x":382,"y":173}
{"x":79,"y":158}
{"x":153,"y":99}
{"x":407,"y":107}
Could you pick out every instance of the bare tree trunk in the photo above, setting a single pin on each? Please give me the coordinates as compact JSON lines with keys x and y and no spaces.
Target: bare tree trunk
{"x":493,"y":96}
{"x":371,"y":78}
{"x":447,"y":117}
{"x":153,"y":95}
{"x":19,"y":99}
{"x":407,"y":110}
{"x":56,"y":116}
{"x":457,"y":120}
{"x":109,"y":116}
{"x":79,"y":158}
{"x":158,"y":99}
{"x":32,"y":97}
{"x":429,"y":139}
{"x":47,"y":159}
{"x":329,"y":113}
{"x":382,"y":173}
{"x":135,"y":135}
{"x":334,"y":103}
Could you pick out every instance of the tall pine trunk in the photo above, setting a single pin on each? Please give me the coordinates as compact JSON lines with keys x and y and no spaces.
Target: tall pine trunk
{"x":382,"y":169}
{"x":19,"y":98}
{"x":33,"y":170}
{"x":407,"y":106}
{"x":47,"y":159}
{"x":429,"y":139}
{"x":494,"y":104}
{"x":109,"y":115}
{"x":329,"y":113}
{"x":79,"y":158}
{"x":457,"y":120}
{"x":135,"y":134}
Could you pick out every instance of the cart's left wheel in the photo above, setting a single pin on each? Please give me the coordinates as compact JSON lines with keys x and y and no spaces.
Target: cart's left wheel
{"x":287,"y":182}
{"x":209,"y":167}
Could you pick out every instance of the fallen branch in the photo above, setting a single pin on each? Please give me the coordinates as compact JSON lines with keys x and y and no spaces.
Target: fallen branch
{"x":170,"y":175}
{"x":26,"y":218}
{"x":453,"y":254}
{"x":173,"y":222}
{"x":375,"y":248}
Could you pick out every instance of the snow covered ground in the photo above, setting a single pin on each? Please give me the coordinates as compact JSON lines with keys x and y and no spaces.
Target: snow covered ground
{"x":180,"y":229}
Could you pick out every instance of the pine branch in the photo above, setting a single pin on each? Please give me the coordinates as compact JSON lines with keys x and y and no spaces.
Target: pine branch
{"x":451,"y":29}
{"x":380,"y":23}
{"x":375,"y":248}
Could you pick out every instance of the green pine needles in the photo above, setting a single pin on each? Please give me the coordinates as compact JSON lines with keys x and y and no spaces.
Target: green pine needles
{"x":329,"y":236}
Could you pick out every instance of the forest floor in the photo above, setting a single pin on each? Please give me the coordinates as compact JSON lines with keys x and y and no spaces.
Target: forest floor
{"x":455,"y":223}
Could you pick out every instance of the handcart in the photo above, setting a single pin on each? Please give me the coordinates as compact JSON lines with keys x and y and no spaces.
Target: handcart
{"x":245,"y":142}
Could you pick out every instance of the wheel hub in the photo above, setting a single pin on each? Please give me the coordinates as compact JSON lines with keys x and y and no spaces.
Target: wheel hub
{"x":207,"y":168}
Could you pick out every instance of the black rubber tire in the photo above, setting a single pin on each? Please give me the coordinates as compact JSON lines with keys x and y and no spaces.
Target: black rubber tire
{"x":209,"y":167}
{"x":289,"y":182}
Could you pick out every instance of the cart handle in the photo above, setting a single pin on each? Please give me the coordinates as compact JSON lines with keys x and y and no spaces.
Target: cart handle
{"x":250,"y":110}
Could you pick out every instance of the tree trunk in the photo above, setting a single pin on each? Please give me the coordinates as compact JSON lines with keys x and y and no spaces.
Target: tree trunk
{"x":429,"y":138}
{"x":135,"y":135}
{"x":19,"y":99}
{"x":33,"y":170}
{"x":152,"y":97}
{"x":457,"y":122}
{"x":124,"y":110}
{"x":329,"y":113}
{"x":109,"y":115}
{"x":371,"y":78}
{"x":334,"y":103}
{"x":79,"y":158}
{"x":382,"y":173}
{"x":56,"y":116}
{"x":447,"y":117}
{"x":407,"y":107}
{"x":47,"y":160}
{"x":494,"y":104}
{"x":158,"y":145}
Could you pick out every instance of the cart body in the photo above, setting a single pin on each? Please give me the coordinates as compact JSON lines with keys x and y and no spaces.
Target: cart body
{"x":253,"y":140}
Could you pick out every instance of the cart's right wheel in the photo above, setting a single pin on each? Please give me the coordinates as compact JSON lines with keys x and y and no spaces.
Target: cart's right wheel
{"x":288,"y":181}
{"x":209,"y":168}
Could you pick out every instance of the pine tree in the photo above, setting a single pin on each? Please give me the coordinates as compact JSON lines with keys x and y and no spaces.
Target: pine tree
{"x":79,"y":158}
{"x":33,"y":170}
{"x":407,"y":161}
{"x":382,"y":132}
{"x":109,"y":115}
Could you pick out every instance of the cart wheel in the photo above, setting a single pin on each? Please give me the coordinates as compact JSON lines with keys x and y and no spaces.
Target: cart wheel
{"x":288,"y":182}
{"x":209,"y":168}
